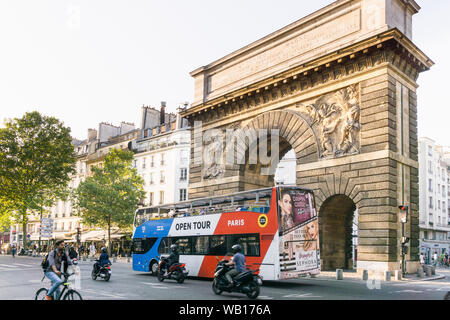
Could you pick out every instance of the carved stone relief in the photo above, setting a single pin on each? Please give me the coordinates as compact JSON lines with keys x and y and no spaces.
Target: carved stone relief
{"x":335,"y":119}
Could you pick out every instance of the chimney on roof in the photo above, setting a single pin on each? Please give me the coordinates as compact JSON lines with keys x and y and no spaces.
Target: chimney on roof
{"x":163,"y":112}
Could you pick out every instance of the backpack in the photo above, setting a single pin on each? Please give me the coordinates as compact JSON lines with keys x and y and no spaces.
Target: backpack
{"x":44,"y":263}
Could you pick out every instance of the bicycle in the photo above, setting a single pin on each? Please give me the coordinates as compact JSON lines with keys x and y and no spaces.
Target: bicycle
{"x":66,"y":294}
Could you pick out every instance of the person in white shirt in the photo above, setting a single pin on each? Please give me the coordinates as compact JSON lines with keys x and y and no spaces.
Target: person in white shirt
{"x":92,"y":250}
{"x":421,"y":259}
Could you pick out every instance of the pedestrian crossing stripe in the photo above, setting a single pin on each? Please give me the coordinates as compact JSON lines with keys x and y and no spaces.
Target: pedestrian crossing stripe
{"x":8,"y":266}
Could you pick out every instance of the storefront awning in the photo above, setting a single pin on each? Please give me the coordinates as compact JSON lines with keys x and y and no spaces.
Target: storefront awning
{"x":100,"y":235}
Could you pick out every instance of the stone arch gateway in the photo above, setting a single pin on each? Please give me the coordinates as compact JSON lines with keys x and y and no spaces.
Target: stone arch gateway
{"x":338,"y":87}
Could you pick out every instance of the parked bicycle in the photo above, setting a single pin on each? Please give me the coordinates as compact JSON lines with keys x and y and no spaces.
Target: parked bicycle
{"x":66,"y":294}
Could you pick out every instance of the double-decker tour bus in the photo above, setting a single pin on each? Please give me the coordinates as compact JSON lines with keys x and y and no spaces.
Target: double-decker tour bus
{"x":277,"y":229}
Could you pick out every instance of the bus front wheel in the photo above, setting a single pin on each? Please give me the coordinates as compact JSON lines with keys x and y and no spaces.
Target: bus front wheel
{"x":154,"y":268}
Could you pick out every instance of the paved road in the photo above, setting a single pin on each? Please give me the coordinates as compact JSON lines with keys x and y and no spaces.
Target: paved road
{"x":21,"y":277}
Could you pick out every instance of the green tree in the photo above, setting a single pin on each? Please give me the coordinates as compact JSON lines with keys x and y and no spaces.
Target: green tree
{"x":110,"y":196}
{"x":37,"y":159}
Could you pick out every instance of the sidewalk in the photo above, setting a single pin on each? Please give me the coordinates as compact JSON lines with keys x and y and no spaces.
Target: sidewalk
{"x":351,"y":274}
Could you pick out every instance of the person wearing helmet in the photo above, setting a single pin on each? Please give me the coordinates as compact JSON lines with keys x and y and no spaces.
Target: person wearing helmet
{"x":173,"y":258}
{"x":238,"y":261}
{"x":103,"y":259}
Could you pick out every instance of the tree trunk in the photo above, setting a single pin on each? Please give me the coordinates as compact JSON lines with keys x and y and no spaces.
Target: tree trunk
{"x":24,"y":228}
{"x":109,"y":235}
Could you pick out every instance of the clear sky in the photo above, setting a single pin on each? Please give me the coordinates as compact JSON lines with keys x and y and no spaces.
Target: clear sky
{"x":86,"y":61}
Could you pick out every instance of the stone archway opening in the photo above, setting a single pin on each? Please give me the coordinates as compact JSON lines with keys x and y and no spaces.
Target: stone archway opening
{"x":337,"y":228}
{"x":259,"y":175}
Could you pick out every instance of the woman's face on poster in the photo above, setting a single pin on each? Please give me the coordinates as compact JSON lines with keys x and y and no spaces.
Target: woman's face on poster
{"x":312,"y":230}
{"x":285,"y":204}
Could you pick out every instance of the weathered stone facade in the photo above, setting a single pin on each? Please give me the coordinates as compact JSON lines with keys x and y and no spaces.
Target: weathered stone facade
{"x":351,"y":117}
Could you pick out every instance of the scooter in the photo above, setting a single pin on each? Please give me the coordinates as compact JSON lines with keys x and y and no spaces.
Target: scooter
{"x":103,"y":272}
{"x":247,"y":282}
{"x":177,"y":271}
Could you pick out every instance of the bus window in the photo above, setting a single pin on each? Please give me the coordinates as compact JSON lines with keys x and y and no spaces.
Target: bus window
{"x":217,"y":246}
{"x":184,"y":245}
{"x":142,"y":245}
{"x":200,"y":245}
{"x":248,"y":242}
{"x":164,"y":246}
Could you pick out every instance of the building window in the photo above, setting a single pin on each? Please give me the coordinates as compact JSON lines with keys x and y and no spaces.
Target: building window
{"x":430,"y":150}
{"x":162,"y":159}
{"x":430,"y":185}
{"x":143,"y":163}
{"x":182,"y":194}
{"x":152,"y":164}
{"x":431,"y":203}
{"x":150,"y":199}
{"x":163,"y":178}
{"x":151,"y":178}
{"x":161,"y":197}
{"x":183,"y":174}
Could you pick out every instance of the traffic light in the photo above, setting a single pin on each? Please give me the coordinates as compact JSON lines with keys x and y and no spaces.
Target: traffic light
{"x":403,"y":213}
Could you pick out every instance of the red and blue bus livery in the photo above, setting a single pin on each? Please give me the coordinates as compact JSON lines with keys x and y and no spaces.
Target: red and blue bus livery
{"x":276,"y":228}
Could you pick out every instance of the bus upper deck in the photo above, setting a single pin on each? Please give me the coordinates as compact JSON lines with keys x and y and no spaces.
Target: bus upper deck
{"x":253,"y":201}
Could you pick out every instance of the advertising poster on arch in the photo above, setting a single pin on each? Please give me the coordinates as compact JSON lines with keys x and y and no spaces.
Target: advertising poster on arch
{"x":299,"y":233}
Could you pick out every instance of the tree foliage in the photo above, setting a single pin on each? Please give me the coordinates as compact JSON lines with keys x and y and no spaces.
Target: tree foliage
{"x":110,"y":196}
{"x":36,"y":161}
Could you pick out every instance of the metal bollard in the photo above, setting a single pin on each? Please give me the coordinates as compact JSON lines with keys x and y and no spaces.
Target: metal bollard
{"x":339,"y":274}
{"x":365,"y":275}
{"x":387,"y":276}
{"x":128,"y":258}
{"x":114,"y":258}
{"x":428,"y":271}
{"x":84,"y":257}
{"x":433,"y":270}
{"x":420,"y":272}
{"x":398,"y":275}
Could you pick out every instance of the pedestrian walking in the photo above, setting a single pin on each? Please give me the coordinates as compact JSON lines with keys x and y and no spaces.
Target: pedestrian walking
{"x":435,"y":258}
{"x":92,"y":250}
{"x":421,"y":259}
{"x":13,"y":250}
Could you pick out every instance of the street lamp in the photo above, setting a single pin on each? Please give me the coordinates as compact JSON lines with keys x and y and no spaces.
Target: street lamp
{"x":404,"y":240}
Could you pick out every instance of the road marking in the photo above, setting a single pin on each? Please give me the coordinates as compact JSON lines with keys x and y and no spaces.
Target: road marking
{"x":407,"y":291}
{"x":304,"y":295}
{"x":266,"y":298}
{"x":8,"y":266}
{"x":156,"y":285}
{"x":24,"y":265}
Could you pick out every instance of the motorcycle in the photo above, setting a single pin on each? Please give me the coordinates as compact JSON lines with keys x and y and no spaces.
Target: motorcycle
{"x":247,"y":282}
{"x":103,"y":272}
{"x":177,"y":271}
{"x":24,"y":252}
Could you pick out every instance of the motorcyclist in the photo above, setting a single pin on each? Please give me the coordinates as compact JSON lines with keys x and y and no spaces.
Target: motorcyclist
{"x":173,"y":258}
{"x":238,"y":261}
{"x":102,"y":260}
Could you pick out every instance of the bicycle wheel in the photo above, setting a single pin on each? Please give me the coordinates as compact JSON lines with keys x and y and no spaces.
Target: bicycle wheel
{"x":72,"y":295}
{"x":41,"y":294}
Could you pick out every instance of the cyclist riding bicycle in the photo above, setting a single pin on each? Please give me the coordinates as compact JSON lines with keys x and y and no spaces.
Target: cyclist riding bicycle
{"x":53,"y":272}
